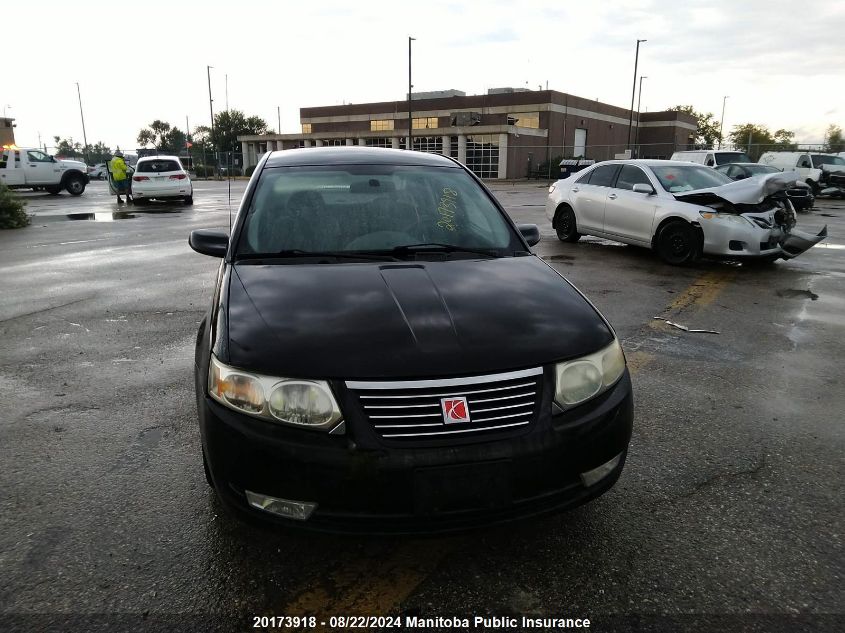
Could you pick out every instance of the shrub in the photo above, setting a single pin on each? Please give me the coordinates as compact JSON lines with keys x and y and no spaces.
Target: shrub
{"x":12,"y":215}
{"x":250,"y":170}
{"x":203,"y":171}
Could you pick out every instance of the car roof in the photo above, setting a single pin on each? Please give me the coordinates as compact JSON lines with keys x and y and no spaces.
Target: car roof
{"x":651,"y":162}
{"x":355,"y":156}
{"x":165,"y":157}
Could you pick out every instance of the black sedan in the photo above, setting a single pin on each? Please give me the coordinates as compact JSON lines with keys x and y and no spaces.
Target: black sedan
{"x":384,"y":353}
{"x":801,"y":196}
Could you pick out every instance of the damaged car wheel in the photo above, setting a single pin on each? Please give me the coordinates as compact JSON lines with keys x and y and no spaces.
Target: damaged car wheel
{"x":678,"y":244}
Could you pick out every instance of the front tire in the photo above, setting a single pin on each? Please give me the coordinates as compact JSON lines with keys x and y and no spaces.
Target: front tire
{"x":566,"y":227}
{"x":189,"y":200}
{"x":53,"y":190}
{"x":75,"y":185}
{"x":678,"y":244}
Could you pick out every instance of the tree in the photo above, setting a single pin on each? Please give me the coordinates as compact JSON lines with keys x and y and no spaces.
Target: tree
{"x":155,"y":134}
{"x":756,"y":138}
{"x":834,"y":143}
{"x":708,"y":127}
{"x":229,"y":125}
{"x":66,"y":148}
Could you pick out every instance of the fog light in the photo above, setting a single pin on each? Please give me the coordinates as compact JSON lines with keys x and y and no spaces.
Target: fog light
{"x":597,"y":474}
{"x":298,"y":510}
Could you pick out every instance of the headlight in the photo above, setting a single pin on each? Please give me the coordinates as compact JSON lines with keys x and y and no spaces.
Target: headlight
{"x":583,"y":378}
{"x":299,"y":402}
{"x":729,"y":217}
{"x":552,"y":188}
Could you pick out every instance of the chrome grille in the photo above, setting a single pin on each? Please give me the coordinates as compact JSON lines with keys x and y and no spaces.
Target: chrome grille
{"x":408,"y":411}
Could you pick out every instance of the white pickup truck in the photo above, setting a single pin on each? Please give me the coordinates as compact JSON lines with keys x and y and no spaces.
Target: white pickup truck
{"x":30,"y":168}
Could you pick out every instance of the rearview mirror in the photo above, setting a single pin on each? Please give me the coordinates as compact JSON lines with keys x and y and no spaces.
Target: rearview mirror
{"x":643,"y":188}
{"x":530,"y":232}
{"x":207,"y":242}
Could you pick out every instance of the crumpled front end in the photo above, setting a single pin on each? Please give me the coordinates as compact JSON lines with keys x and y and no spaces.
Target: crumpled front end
{"x":751,"y":218}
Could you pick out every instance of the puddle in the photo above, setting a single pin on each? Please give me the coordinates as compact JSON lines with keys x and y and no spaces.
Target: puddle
{"x":828,"y":215}
{"x":558,"y":258}
{"x":806,"y":294}
{"x":101,"y":217}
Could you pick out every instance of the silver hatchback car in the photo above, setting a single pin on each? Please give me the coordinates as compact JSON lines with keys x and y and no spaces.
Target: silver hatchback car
{"x":680,"y":210}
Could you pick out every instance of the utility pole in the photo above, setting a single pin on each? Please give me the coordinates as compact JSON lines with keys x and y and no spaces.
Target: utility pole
{"x":722,"y":121}
{"x":211,"y":111}
{"x":84,"y":136}
{"x":410,"y":87}
{"x":633,"y":91}
{"x":227,"y":92}
{"x":639,"y":99}
{"x":279,"y":117}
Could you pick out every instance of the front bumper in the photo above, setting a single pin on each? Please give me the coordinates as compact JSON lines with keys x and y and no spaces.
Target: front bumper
{"x":722,"y":239}
{"x":361,"y":485}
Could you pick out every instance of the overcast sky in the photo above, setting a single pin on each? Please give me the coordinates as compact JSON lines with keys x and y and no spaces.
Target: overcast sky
{"x":782,"y":63}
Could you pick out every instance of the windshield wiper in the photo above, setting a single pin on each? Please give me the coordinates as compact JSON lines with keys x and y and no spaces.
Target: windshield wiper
{"x":296,"y":252}
{"x":438,"y":247}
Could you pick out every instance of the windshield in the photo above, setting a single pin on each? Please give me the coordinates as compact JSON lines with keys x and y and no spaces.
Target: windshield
{"x":689,"y":178}
{"x":354,"y":208}
{"x":732,"y":157}
{"x":819,"y":160}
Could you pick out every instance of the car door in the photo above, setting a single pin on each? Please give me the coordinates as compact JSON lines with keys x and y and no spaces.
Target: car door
{"x":629,"y":214}
{"x":40,"y":169}
{"x":589,"y":194}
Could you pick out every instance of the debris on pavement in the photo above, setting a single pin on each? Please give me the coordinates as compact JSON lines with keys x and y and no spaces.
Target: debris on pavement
{"x":684,"y":327}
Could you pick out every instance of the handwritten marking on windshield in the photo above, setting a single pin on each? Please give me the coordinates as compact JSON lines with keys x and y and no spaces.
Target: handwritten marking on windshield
{"x":447,"y":209}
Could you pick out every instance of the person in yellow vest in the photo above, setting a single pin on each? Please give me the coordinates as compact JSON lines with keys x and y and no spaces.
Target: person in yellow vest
{"x":119,"y":178}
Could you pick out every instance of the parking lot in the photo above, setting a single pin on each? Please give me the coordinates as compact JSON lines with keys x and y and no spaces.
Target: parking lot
{"x":728,"y":513}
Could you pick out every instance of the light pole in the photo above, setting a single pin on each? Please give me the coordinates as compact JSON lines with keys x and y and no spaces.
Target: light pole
{"x":722,"y":121}
{"x":211,"y":111}
{"x":84,"y":136}
{"x":279,"y":117}
{"x":410,"y":86}
{"x":639,"y":99}
{"x":633,"y":91}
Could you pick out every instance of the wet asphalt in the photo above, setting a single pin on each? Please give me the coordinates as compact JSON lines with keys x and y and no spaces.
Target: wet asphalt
{"x":729,"y":513}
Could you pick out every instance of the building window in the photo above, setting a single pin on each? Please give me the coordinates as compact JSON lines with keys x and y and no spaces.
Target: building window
{"x":483,"y":155}
{"x":330,"y":142}
{"x":425,"y":123}
{"x":379,"y":142}
{"x":381,"y":124}
{"x":430,"y":144}
{"x":525,"y":119}
{"x":306,"y":128}
{"x":453,"y":146}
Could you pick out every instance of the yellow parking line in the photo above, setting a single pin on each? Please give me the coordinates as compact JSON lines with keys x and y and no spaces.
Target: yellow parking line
{"x":701,"y":292}
{"x":373,"y":586}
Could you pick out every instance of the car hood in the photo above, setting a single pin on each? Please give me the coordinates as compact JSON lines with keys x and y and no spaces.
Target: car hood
{"x":748,"y":191}
{"x":406,"y":320}
{"x":73,"y":164}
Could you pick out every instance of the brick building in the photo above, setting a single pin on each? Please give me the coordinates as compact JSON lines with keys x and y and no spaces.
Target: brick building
{"x":503,"y":134}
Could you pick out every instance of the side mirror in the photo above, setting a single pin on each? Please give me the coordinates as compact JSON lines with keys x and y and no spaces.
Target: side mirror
{"x":643,"y":188}
{"x":52,"y":159}
{"x":530,"y":232}
{"x":207,"y":242}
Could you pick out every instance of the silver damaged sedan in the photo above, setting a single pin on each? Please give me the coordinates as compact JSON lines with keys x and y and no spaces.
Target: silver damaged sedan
{"x":680,"y":210}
